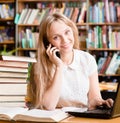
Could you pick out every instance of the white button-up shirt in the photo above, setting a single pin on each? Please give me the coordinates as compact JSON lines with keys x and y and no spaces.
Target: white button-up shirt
{"x":75,"y":84}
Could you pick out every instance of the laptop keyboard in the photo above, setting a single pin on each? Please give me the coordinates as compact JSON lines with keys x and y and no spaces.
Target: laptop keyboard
{"x":100,"y":111}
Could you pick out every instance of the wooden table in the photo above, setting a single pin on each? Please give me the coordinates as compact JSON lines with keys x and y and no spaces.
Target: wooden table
{"x":90,"y":120}
{"x":76,"y":120}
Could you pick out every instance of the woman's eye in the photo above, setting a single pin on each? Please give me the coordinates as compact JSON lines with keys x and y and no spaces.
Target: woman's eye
{"x":67,"y":32}
{"x":55,"y":38}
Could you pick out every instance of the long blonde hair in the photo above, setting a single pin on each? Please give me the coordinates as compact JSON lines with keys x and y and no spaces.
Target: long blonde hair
{"x":42,"y":71}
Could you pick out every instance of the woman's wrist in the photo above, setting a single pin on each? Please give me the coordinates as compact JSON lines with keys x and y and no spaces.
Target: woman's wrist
{"x":59,"y":67}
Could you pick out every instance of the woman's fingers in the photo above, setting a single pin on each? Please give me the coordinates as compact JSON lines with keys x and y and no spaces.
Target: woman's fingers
{"x":109,"y":102}
{"x":94,"y":103}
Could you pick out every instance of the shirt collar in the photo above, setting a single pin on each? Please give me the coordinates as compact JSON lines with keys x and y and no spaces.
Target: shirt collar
{"x":74,"y":64}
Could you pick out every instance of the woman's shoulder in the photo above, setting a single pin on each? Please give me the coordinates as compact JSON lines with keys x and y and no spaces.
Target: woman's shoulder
{"x":87,"y":60}
{"x":83,"y":54}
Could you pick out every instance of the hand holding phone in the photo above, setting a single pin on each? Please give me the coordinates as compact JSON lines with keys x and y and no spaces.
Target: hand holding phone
{"x":46,"y":44}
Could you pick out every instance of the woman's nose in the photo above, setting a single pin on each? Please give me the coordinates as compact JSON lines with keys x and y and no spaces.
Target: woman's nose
{"x":64,"y":38}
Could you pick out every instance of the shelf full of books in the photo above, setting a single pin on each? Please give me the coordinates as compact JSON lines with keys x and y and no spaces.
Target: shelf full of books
{"x":7,"y":26}
{"x":95,"y":17}
{"x":103,"y":36}
{"x":29,"y":16}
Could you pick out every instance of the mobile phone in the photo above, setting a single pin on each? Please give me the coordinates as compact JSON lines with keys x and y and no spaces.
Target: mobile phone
{"x":58,"y":54}
{"x":46,"y":43}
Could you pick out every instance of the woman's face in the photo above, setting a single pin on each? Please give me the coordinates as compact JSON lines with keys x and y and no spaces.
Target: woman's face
{"x":61,"y":36}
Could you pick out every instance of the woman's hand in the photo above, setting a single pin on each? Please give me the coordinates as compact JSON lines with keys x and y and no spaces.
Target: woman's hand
{"x":99,"y":102}
{"x":51,"y":52}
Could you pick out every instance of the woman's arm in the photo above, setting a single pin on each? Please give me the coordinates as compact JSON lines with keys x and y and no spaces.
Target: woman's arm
{"x":51,"y":96}
{"x":94,"y":96}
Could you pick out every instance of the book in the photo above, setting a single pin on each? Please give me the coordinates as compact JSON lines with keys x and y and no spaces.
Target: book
{"x":5,"y":9}
{"x":107,"y":11}
{"x":95,"y":13}
{"x":12,"y":98}
{"x":117,"y":40}
{"x":12,"y":80}
{"x":13,"y":89}
{"x":32,"y":16}
{"x":13,"y":69}
{"x":75,"y":14}
{"x":27,"y":16}
{"x":42,"y":14}
{"x":101,"y":61}
{"x":14,"y":63}
{"x":22,"y":15}
{"x":1,"y":12}
{"x":106,"y":64}
{"x":13,"y":74}
{"x":69,"y":12}
{"x":118,"y":12}
{"x":36,"y":115}
{"x":82,"y":13}
{"x":17,"y":18}
{"x":18,"y":58}
{"x":114,"y":64}
{"x":100,"y":12}
{"x":29,"y":38}
{"x":104,"y":37}
{"x":13,"y":104}
{"x":113,"y":12}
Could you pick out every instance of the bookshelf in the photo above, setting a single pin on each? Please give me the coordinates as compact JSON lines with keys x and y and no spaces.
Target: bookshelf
{"x":103,"y":33}
{"x":103,"y":38}
{"x":43,"y":6}
{"x":7,"y":26}
{"x":98,"y":31}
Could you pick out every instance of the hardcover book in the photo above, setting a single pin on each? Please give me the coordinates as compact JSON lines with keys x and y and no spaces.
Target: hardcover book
{"x":18,"y":58}
{"x":14,"y":63}
{"x":37,"y":115}
{"x":13,"y":89}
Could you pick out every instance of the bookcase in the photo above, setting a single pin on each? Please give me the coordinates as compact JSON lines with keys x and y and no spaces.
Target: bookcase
{"x":98,"y":22}
{"x":27,"y":25}
{"x":103,"y":38}
{"x":7,"y":26}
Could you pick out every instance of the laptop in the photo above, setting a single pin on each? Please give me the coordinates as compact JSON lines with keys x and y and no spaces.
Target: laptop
{"x":104,"y":113}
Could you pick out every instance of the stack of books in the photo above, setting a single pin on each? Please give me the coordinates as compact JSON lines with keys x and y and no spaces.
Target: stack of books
{"x":13,"y":79}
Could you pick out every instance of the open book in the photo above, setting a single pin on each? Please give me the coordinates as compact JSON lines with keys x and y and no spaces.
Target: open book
{"x":37,"y":115}
{"x":23,"y":114}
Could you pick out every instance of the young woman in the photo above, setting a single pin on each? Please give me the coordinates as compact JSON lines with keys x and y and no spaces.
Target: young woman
{"x":72,"y":79}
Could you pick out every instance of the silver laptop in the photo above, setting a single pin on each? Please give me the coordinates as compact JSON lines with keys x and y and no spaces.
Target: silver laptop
{"x":103,"y":112}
